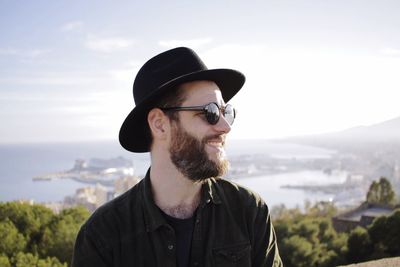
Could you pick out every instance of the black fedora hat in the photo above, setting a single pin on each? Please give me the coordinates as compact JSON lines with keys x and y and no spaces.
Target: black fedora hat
{"x":160,"y":74}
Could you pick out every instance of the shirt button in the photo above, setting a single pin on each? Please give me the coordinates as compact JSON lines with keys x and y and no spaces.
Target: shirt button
{"x":170,"y":247}
{"x":196,"y":264}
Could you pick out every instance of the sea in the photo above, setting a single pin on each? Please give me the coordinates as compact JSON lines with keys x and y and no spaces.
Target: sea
{"x":19,"y":163}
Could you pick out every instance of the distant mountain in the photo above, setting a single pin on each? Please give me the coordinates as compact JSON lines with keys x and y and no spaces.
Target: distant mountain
{"x":380,"y":132}
{"x":387,"y":132}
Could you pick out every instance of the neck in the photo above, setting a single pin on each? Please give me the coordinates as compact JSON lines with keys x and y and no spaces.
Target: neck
{"x":173,"y":193}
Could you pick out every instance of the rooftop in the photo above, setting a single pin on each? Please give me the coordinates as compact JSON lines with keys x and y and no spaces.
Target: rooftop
{"x":370,"y":212}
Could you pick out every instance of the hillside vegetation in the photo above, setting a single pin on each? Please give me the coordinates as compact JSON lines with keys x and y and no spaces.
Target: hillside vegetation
{"x":33,"y":236}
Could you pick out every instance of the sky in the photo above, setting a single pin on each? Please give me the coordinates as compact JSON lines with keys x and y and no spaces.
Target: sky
{"x":67,"y":67}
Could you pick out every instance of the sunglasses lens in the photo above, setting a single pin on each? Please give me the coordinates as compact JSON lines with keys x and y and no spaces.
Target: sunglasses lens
{"x":229,"y":114}
{"x":212,"y":113}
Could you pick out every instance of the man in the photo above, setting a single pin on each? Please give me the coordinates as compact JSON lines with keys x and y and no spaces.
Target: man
{"x":181,"y":213}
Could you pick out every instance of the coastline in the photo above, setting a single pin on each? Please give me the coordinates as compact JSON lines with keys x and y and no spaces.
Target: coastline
{"x":20,"y":163}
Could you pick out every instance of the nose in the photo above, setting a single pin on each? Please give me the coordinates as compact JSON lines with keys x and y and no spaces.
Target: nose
{"x":222,"y":125}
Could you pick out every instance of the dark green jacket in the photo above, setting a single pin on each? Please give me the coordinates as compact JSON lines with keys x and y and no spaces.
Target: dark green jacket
{"x":232,"y":228}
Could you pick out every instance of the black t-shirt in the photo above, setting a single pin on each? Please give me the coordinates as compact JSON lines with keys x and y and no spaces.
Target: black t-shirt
{"x":183,"y":232}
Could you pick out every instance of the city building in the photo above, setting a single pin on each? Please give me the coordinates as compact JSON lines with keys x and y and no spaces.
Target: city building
{"x":123,"y":184}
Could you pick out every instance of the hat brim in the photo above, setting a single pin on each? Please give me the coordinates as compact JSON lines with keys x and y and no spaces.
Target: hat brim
{"x":134,"y":135}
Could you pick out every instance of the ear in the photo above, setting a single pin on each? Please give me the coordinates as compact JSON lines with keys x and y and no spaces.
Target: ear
{"x":158,"y":123}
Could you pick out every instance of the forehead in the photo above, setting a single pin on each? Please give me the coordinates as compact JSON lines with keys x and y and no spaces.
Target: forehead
{"x":201,"y":92}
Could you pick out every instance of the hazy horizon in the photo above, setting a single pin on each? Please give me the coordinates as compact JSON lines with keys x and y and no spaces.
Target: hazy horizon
{"x":373,"y":131}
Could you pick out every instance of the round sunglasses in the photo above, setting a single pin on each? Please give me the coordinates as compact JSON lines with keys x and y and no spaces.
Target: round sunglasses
{"x":212,"y":111}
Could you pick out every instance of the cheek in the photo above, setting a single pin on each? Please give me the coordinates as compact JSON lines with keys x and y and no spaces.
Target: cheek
{"x":197,"y":130}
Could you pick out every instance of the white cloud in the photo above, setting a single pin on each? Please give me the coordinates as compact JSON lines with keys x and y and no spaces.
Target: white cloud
{"x":108,"y":45}
{"x":294,"y":91}
{"x":30,"y":53}
{"x":127,"y":73}
{"x":122,"y":75}
{"x":36,"y":52}
{"x":8,"y":51}
{"x":72,"y":26}
{"x":55,"y":78}
{"x":388,"y":51}
{"x":194,"y":43}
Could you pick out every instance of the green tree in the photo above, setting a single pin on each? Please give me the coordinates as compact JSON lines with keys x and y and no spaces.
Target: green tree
{"x":21,"y":215}
{"x":44,"y":215}
{"x":282,"y":229}
{"x":359,"y":245}
{"x":381,"y":239}
{"x":373,"y":193}
{"x":11,"y":240}
{"x":59,"y":237}
{"x":308,"y":229}
{"x":309,"y":239}
{"x":4,"y":261}
{"x":30,"y":220}
{"x":50,"y":262}
{"x":381,"y":192}
{"x":388,"y":195}
{"x":25,"y":260}
{"x":280,"y":212}
{"x":32,"y":235}
{"x":31,"y":260}
{"x":321,"y":209}
{"x":392,"y":238}
{"x":300,"y":251}
{"x":384,"y":233}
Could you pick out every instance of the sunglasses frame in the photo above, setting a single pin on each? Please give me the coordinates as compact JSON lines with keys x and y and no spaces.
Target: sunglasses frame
{"x":203,"y":108}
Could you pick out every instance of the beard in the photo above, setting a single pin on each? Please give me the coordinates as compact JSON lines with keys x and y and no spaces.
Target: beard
{"x":190,"y":157}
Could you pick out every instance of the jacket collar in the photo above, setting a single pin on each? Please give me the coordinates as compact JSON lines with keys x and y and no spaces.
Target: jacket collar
{"x":152,"y":214}
{"x":210,"y":193}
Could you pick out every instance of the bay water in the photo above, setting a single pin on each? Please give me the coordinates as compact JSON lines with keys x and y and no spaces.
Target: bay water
{"x":19,"y":163}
